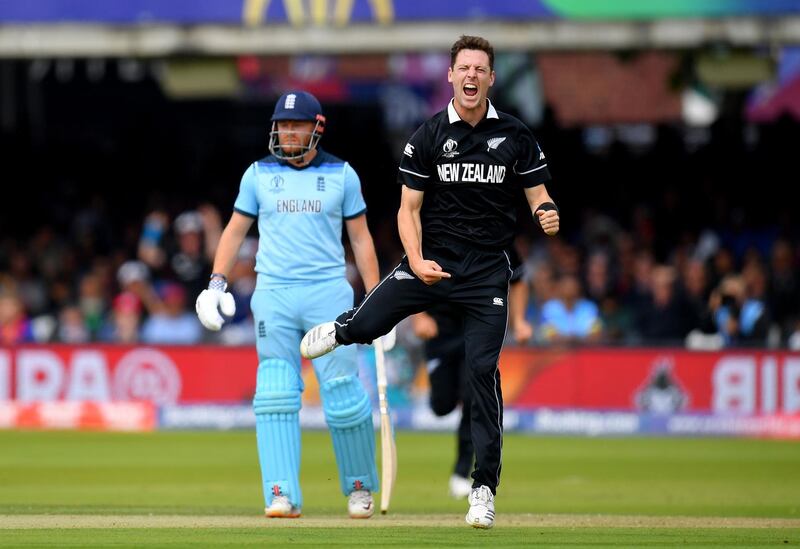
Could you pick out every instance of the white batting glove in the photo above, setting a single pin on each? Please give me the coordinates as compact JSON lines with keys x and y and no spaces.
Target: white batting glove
{"x":211,"y":301}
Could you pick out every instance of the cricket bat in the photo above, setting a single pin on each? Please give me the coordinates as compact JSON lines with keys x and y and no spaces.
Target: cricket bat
{"x":388,"y":447}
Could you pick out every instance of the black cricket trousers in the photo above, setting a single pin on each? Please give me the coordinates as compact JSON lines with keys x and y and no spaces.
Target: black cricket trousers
{"x":479,"y":288}
{"x":447,"y":375}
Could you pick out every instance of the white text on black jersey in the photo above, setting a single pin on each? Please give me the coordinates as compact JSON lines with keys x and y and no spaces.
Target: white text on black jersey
{"x":471,"y":173}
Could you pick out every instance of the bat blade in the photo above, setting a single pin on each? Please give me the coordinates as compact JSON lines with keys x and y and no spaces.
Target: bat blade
{"x":388,"y":446}
{"x":388,"y":462}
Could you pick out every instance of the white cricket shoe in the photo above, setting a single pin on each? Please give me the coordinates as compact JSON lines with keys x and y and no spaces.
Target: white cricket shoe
{"x":360,"y":504}
{"x":481,"y":508}
{"x":281,"y":507}
{"x":319,"y":340}
{"x":460,"y":487}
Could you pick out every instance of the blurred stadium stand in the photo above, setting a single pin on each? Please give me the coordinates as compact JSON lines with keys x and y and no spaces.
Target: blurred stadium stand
{"x":671,"y":129}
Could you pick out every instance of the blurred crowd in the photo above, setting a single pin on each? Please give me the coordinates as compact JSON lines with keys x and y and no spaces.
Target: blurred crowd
{"x":617,"y":292}
{"x":50,"y":291}
{"x":608,"y":288}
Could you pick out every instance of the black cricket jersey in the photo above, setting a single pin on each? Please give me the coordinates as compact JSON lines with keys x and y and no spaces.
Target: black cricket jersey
{"x":472,"y":176}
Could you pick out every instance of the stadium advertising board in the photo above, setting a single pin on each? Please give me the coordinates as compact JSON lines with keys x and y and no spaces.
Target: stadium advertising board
{"x":341,"y":12}
{"x":646,"y":380}
{"x":581,"y":391}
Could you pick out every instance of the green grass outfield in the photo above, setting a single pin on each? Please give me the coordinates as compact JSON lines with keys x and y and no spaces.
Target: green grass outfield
{"x":176,"y":489}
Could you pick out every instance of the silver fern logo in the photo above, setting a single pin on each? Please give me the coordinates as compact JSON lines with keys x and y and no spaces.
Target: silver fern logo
{"x":494,"y":142}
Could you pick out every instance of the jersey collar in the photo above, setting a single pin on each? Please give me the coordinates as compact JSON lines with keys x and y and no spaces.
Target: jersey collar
{"x":453,"y":117}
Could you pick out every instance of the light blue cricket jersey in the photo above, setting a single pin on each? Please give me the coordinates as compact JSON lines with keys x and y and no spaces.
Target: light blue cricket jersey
{"x":578,"y":322}
{"x":300,"y":214}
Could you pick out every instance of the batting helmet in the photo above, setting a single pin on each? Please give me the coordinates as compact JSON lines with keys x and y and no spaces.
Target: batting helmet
{"x":296,"y":105}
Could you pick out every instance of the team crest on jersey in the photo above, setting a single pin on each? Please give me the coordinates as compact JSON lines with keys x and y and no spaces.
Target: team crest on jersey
{"x":276,"y":184}
{"x":449,"y":148}
{"x":494,"y":142}
{"x":321,"y":184}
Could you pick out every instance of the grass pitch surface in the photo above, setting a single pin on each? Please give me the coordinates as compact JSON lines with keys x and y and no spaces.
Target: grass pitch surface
{"x":202,"y":489}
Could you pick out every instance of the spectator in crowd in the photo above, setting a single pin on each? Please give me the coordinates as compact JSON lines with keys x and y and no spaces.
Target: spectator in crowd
{"x":723,"y":264}
{"x":187,"y":257}
{"x":197,"y":234}
{"x":618,"y":321}
{"x":638,"y":294}
{"x":784,"y":286}
{"x":569,"y":318}
{"x":131,"y":275}
{"x":92,"y":304}
{"x":756,"y":281}
{"x":739,"y":319}
{"x":598,"y":276}
{"x":662,"y":317}
{"x":31,"y":288}
{"x":567,"y":258}
{"x":169,"y":320}
{"x":15,"y":326}
{"x":542,"y":289}
{"x":124,"y":323}
{"x":624,"y":259}
{"x":151,"y":249}
{"x":72,"y":326}
{"x":695,"y":290}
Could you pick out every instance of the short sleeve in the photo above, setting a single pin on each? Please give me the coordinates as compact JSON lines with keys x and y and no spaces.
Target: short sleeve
{"x":354,"y":204}
{"x":414,"y":171}
{"x":247,"y":202}
{"x":531,"y":165}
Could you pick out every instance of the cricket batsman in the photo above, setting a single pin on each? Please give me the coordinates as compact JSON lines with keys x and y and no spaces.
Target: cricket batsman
{"x":301,"y":197}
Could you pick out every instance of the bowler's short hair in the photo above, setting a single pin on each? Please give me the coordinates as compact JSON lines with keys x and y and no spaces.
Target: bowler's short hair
{"x":472,"y":43}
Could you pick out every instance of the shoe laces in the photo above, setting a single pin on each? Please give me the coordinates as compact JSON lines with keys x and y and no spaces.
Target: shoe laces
{"x":360,"y":496}
{"x":280,"y":500}
{"x":482,"y":494}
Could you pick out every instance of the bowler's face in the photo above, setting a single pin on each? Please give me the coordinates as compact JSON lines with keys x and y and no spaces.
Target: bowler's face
{"x":471,"y":77}
{"x":294,"y":135}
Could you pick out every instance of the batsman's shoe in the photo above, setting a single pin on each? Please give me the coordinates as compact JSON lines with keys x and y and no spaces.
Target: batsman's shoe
{"x":319,"y":340}
{"x":460,"y":487}
{"x":281,"y":507}
{"x":481,"y":508}
{"x":360,"y":504}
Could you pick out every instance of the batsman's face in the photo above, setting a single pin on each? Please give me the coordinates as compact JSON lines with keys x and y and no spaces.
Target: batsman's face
{"x":294,"y":135}
{"x":471,"y":77}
